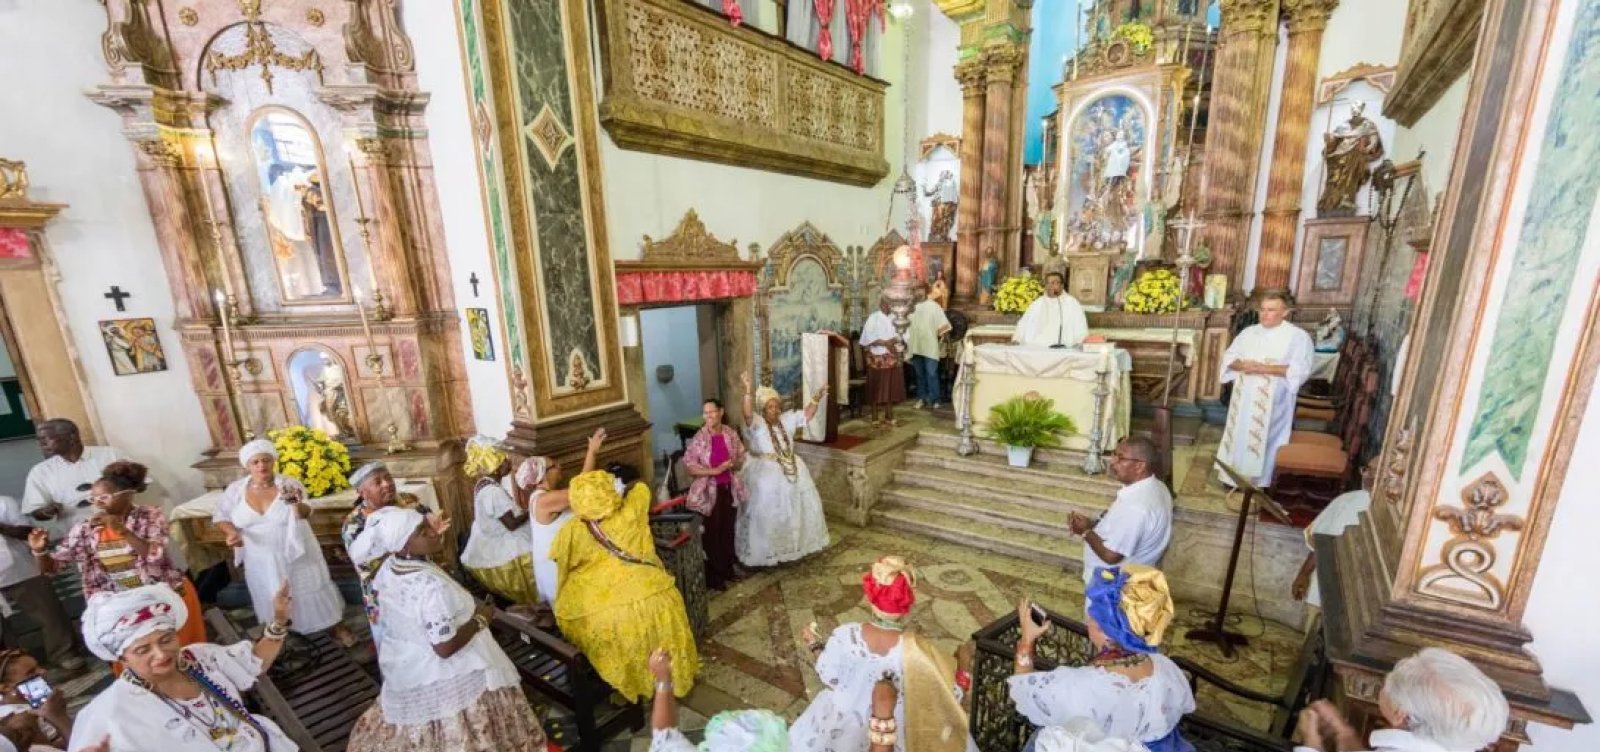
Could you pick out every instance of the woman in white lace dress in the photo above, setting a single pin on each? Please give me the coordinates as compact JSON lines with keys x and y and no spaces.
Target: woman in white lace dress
{"x":782,"y":518}
{"x":447,"y":685}
{"x":264,"y":516}
{"x":927,"y":714}
{"x":499,"y":552}
{"x":1128,"y":689}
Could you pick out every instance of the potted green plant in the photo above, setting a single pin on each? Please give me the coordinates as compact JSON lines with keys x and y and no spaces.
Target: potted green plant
{"x":1024,"y":422}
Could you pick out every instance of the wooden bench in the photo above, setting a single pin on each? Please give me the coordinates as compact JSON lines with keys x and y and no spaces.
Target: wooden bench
{"x":315,"y":692}
{"x":996,"y":725}
{"x":553,"y":669}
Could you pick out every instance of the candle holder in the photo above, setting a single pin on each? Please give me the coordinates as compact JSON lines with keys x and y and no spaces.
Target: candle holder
{"x":396,"y":444}
{"x":380,"y":309}
{"x":966,"y":383}
{"x":1093,"y":463}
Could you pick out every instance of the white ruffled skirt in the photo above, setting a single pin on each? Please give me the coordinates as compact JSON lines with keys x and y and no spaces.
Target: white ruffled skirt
{"x":781,"y":520}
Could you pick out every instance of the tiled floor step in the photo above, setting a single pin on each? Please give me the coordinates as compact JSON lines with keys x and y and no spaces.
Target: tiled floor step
{"x":984,"y":465}
{"x":1051,"y":497}
{"x":988,"y":536}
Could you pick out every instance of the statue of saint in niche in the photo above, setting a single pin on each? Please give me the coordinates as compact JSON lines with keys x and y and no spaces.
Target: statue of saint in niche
{"x":945,"y":194}
{"x":297,"y":203}
{"x":322,"y":392}
{"x":1348,"y":153}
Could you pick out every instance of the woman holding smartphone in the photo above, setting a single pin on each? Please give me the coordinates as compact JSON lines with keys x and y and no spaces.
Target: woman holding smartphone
{"x":264,"y":516}
{"x":34,"y":715}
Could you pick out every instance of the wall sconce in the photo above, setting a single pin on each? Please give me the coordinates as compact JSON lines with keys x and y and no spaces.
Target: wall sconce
{"x":664,"y":373}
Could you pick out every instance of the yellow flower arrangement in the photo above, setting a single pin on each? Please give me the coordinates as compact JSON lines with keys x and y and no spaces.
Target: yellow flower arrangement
{"x":307,"y":454}
{"x":1156,"y":291}
{"x":1139,"y":35}
{"x":1017,"y":293}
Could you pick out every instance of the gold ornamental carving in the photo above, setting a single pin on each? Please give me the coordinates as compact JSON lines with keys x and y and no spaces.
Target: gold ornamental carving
{"x":1463,"y":572}
{"x":686,"y":83}
{"x":162,"y":152}
{"x":932,"y":143}
{"x":970,"y":74}
{"x":690,"y":246}
{"x":1249,"y":16}
{"x":387,"y":48}
{"x":13,"y":179}
{"x":260,"y":49}
{"x":188,"y":16}
{"x":1436,"y":49}
{"x":130,"y":39}
{"x":1398,"y":463}
{"x":805,"y":241}
{"x":315,"y":17}
{"x":1308,"y":15}
{"x":1381,"y":77}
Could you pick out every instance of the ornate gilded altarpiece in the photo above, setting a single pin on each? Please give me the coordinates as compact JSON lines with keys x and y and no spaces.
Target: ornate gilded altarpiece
{"x":681,"y":80}
{"x":533,"y":104}
{"x":1501,"y":365}
{"x":282,"y":149}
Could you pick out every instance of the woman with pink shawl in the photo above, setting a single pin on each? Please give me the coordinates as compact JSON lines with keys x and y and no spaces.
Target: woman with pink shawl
{"x":714,"y":457}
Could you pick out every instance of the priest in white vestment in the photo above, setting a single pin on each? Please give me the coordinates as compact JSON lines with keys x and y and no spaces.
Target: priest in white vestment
{"x":1266,"y":364}
{"x":1054,"y":320}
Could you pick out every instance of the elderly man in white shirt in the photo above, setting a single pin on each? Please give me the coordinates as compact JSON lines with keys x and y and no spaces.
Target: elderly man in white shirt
{"x":1054,"y":320}
{"x":1434,"y":701}
{"x":57,"y":489}
{"x":1138,"y":526}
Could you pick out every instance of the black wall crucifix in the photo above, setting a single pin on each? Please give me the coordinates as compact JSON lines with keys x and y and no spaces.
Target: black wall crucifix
{"x":117,"y":296}
{"x":473,"y":280}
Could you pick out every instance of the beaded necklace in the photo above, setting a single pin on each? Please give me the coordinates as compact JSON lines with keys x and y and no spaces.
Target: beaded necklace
{"x":228,"y":715}
{"x":783,"y":450}
{"x":893,"y":625}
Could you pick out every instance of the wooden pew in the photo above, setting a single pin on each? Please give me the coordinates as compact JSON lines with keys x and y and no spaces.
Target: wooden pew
{"x":553,"y":669}
{"x":315,"y":697}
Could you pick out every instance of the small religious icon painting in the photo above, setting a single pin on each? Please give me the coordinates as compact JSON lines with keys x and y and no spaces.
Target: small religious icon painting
{"x":478,"y":328}
{"x":133,"y":346}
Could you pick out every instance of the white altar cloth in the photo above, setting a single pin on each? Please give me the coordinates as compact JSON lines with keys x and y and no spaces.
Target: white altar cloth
{"x":1067,"y":376}
{"x":1187,"y":338}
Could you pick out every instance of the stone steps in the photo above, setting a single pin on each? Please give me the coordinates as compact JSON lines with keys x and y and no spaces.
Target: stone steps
{"x":981,"y":501}
{"x":989,"y":536}
{"x":987,"y":489}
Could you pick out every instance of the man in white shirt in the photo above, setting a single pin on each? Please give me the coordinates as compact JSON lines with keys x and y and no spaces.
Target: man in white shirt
{"x":925,"y":343}
{"x":1266,"y":364}
{"x":886,"y":379}
{"x":1434,"y":701}
{"x":57,"y":489}
{"x":1054,"y":320}
{"x":1138,"y":526}
{"x":23,"y":590}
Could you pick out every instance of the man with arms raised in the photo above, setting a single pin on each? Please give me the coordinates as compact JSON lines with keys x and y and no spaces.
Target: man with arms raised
{"x":1266,"y":364}
{"x":1138,"y":526}
{"x":1054,"y":320}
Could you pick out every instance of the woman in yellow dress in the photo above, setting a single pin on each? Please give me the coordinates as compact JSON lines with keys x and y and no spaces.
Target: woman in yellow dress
{"x":499,"y":552}
{"x":617,"y":600}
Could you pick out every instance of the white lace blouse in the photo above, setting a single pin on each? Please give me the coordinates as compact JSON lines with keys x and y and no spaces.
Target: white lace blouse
{"x":1146,"y":710}
{"x":423,"y":607}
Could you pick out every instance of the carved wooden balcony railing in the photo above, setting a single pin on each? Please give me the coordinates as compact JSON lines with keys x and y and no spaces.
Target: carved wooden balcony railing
{"x":998,"y":727}
{"x":681,"y":80}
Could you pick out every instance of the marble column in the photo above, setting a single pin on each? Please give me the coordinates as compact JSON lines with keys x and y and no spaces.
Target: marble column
{"x":1001,"y":64}
{"x":970,"y":73}
{"x":1286,"y":181}
{"x":1236,"y":129}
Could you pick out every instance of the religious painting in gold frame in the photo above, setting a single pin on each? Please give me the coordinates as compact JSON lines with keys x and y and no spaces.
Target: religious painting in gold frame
{"x":297,"y":207}
{"x":133,"y":346}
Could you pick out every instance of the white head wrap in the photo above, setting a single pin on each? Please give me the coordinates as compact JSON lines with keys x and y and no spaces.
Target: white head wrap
{"x":1082,"y":735}
{"x":532,"y":471}
{"x":764,"y":395}
{"x":255,"y":449}
{"x":113,"y":621}
{"x":364,"y":472}
{"x":386,"y":532}
{"x":746,"y":731}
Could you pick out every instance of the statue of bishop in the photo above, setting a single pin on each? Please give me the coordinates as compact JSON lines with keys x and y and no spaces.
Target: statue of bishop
{"x":1348,"y":152}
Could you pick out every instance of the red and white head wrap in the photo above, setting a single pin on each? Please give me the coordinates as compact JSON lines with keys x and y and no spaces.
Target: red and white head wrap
{"x":889,"y":587}
{"x":532,"y":471}
{"x":113,"y":621}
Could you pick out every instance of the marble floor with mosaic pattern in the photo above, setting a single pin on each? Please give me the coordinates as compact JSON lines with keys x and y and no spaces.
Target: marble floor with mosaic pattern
{"x":754,"y":656}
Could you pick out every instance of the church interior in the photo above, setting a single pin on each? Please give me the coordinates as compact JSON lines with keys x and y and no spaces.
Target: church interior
{"x":372,"y":230}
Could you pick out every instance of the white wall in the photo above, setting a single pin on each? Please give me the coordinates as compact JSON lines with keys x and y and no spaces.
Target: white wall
{"x":935,"y":95}
{"x":1436,"y":132}
{"x":76,"y":155}
{"x":671,"y":337}
{"x":432,"y":26}
{"x":1562,"y":609}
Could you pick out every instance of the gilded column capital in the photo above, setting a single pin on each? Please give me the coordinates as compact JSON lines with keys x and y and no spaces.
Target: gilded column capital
{"x":1249,"y":16}
{"x":1001,"y":62}
{"x":970,"y":73}
{"x":1308,"y":15}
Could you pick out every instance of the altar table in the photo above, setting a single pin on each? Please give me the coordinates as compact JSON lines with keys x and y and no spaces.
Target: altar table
{"x":1067,"y":376}
{"x":191,"y":532}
